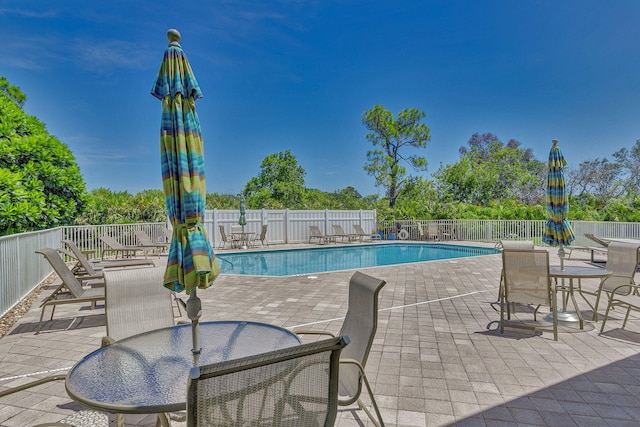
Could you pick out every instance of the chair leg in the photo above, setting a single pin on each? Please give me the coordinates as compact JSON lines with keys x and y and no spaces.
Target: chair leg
{"x":373,"y":402}
{"x":502,"y":303}
{"x":606,"y":315}
{"x":626,"y":317}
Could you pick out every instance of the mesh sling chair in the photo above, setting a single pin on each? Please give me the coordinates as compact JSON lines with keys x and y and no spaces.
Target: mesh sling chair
{"x":622,"y":260}
{"x":295,"y":386}
{"x":527,"y":281}
{"x":360,"y":325}
{"x":511,"y":244}
{"x":136,"y":302}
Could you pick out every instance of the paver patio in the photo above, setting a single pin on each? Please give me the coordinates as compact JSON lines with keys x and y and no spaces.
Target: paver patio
{"x":438,"y":358}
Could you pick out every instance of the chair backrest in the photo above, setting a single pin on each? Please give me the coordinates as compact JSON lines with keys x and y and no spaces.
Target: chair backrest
{"x":596,"y":239}
{"x":63,"y":272}
{"x":517,"y":244}
{"x":296,"y":386}
{"x":526,"y":276}
{"x":263,"y":232}
{"x":360,"y":325}
{"x":77,"y":254}
{"x":315,"y":231}
{"x":223,"y":235}
{"x":337,"y":229}
{"x":111,"y":242}
{"x":359,"y":229}
{"x":236,"y":229}
{"x":142,"y":237}
{"x":432,"y":228}
{"x":136,"y":301}
{"x":168,"y":234}
{"x":622,"y":260}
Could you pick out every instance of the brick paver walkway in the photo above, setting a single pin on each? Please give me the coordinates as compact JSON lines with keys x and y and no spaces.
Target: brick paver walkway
{"x":438,"y":358}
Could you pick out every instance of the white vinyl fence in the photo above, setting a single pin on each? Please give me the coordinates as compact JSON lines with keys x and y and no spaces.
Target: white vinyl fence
{"x":21,"y":270}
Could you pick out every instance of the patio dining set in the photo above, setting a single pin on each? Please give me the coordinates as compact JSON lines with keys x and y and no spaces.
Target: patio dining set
{"x":245,"y":372}
{"x":258,"y":371}
{"x":529,"y":280}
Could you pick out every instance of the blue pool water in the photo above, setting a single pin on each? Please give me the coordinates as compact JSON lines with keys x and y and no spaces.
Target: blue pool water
{"x":315,"y":260}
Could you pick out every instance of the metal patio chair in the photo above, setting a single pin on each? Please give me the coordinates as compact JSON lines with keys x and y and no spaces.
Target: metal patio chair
{"x":295,"y":386}
{"x":622,"y":260}
{"x":527,"y":281}
{"x":511,"y":244}
{"x":360,"y":325}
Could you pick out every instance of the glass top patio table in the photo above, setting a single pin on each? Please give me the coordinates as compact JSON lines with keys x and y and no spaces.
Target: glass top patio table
{"x":575,"y":272}
{"x":147,"y":373}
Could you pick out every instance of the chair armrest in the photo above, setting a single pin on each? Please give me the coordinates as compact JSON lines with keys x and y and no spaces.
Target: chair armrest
{"x":352,"y":362}
{"x":308,"y":332}
{"x":635,"y":289}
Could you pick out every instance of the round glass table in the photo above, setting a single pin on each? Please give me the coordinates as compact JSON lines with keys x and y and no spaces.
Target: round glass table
{"x":574,"y":272}
{"x":148,"y":373}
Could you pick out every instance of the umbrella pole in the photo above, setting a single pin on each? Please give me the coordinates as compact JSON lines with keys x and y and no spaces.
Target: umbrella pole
{"x":194,"y":311}
{"x":561,"y":254}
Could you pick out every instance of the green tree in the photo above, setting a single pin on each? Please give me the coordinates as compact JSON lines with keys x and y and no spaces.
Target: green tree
{"x":12,"y":91}
{"x":280,"y":183}
{"x":395,"y":137}
{"x":629,"y":161}
{"x":40,"y":183}
{"x":108,"y":207}
{"x":490,"y":170}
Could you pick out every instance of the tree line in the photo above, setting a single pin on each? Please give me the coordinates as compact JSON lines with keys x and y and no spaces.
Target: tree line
{"x":41,"y":185}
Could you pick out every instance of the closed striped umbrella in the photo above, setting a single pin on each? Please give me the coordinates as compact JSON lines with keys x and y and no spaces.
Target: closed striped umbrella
{"x":243,"y":213}
{"x":558,"y":231}
{"x":191,"y":263}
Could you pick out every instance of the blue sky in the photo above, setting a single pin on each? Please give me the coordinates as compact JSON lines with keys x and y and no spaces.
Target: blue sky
{"x":297,"y":75}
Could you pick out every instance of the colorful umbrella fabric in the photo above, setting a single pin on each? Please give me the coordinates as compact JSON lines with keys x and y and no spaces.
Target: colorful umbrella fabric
{"x":243,"y":212}
{"x":191,"y":262}
{"x":558,"y":231}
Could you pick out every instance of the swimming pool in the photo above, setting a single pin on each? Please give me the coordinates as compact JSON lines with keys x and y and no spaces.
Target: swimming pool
{"x":291,"y":262}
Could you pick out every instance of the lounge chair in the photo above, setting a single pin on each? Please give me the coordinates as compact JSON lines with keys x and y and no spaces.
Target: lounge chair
{"x":112,"y":245}
{"x":315,"y":233}
{"x":362,"y":234}
{"x":295,"y":386}
{"x":262,"y":237}
{"x":86,"y":267}
{"x":360,"y":325}
{"x":70,"y":291}
{"x":338,"y":231}
{"x":527,"y":281}
{"x":603,"y":243}
{"x":146,"y":241}
{"x":622,"y":260}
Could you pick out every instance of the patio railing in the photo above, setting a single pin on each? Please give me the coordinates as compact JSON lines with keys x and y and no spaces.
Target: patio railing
{"x":21,"y":270}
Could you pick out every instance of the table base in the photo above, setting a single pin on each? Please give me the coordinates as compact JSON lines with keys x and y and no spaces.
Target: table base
{"x":564,"y":316}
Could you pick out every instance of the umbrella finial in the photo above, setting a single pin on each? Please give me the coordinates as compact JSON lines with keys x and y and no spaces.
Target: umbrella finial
{"x":554,"y":142}
{"x":174,"y":36}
